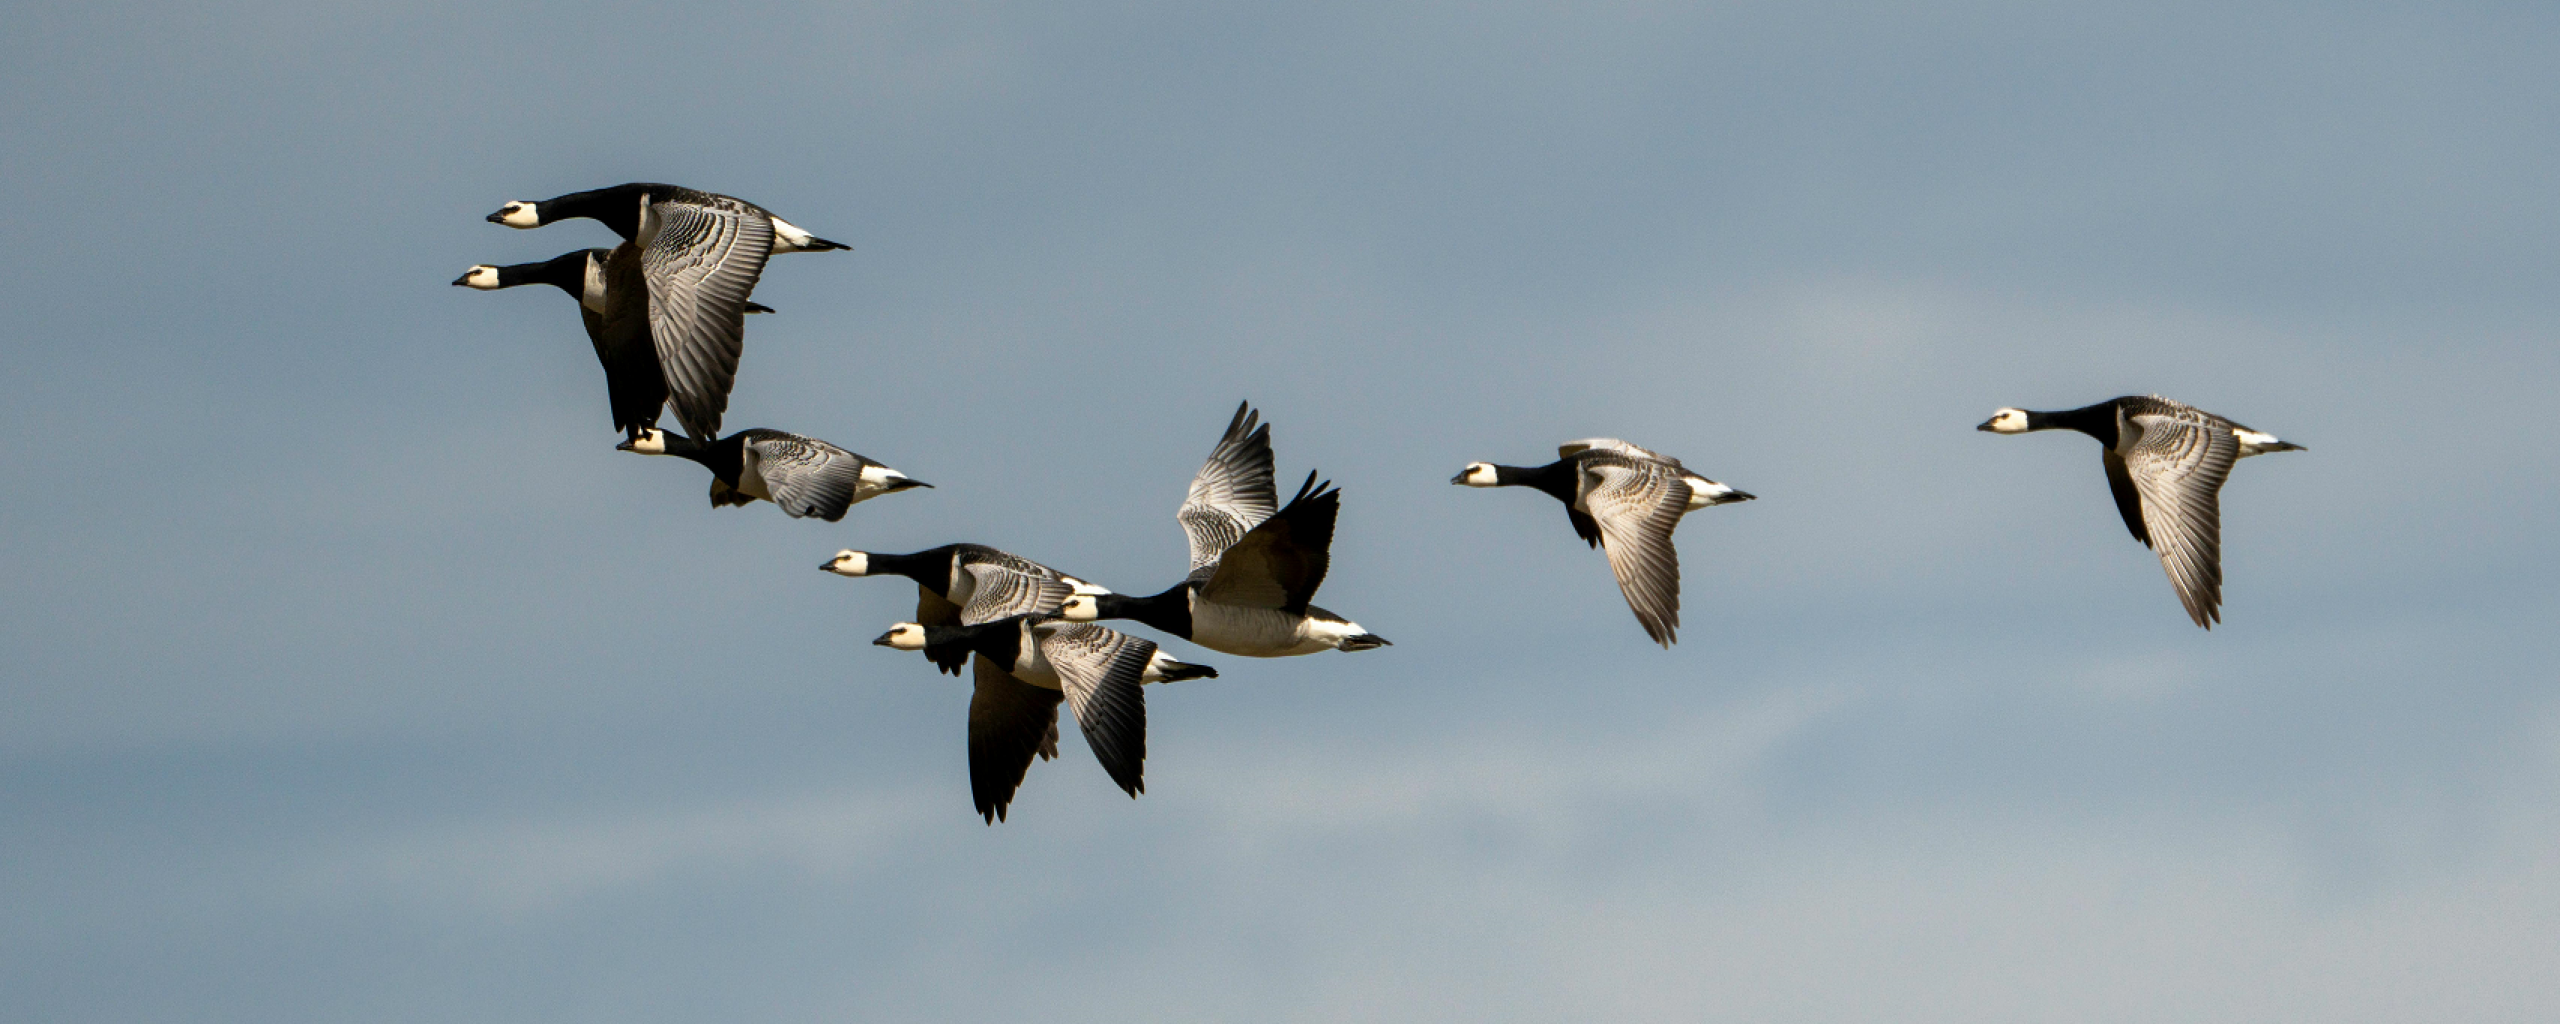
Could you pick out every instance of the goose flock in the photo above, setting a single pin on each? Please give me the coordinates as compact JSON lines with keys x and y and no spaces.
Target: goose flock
{"x":665,"y":311}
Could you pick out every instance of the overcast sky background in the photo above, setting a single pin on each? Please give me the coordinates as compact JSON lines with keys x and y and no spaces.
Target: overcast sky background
{"x":350,"y":674}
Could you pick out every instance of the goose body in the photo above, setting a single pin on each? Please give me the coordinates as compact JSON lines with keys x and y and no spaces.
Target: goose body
{"x":1026,"y":665}
{"x":619,"y":331}
{"x":1254,"y":564}
{"x":2166,"y":462}
{"x":803,"y":475}
{"x":1626,"y":501}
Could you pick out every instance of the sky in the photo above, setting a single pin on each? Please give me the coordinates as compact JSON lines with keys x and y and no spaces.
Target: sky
{"x":351,"y":674}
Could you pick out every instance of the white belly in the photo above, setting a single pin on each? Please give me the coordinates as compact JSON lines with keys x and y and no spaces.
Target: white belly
{"x":1034,"y":669}
{"x":751,"y":477}
{"x":1252,"y":632}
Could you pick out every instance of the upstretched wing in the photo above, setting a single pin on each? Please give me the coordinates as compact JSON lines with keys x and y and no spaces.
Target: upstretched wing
{"x":2177,"y":463}
{"x":1099,"y":668}
{"x":1233,"y":492}
{"x":1280,"y":563}
{"x":1001,"y":592}
{"x":1637,"y":503}
{"x":806,"y":476}
{"x":701,"y":259}
{"x":1010,"y":721}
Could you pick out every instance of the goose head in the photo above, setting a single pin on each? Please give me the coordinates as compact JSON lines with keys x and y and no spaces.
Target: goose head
{"x":849,"y":563}
{"x":1080,"y":608}
{"x":483,"y":277}
{"x":518,"y":214}
{"x":2006,"y":421}
{"x":1478,"y":474}
{"x":653,"y":441}
{"x":905,"y":636}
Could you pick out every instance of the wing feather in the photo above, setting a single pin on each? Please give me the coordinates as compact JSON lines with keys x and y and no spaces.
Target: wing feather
{"x":1570,"y":449}
{"x":806,"y":476}
{"x":1010,"y":721}
{"x":701,"y":263}
{"x":1099,"y":668}
{"x":2178,"y":462}
{"x":1637,"y":503}
{"x":1233,"y":492}
{"x":1280,"y":563}
{"x":1001,"y":592}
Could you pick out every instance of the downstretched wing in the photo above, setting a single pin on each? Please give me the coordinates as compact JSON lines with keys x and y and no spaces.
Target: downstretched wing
{"x":2177,"y":465}
{"x":806,"y":476}
{"x":1233,"y":492}
{"x":1637,"y":503}
{"x":1280,"y":563}
{"x":1002,"y":593}
{"x":1010,"y":721}
{"x":701,"y":261}
{"x":1099,"y":668}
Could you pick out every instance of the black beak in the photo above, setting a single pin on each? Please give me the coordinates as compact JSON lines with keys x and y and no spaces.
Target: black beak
{"x":1986,"y":424}
{"x":499,"y":217}
{"x":625,"y":445}
{"x":884,"y":639}
{"x":1458,"y":479}
{"x":464,"y":279}
{"x":827,"y":566}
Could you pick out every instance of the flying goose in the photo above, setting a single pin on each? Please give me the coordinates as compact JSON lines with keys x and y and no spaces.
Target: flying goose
{"x":804,"y":475}
{"x":614,"y":208}
{"x":1626,"y":501}
{"x":2166,"y":462}
{"x":632,"y":380}
{"x":1254,"y":564}
{"x":947,"y":582}
{"x":697,"y":255}
{"x":1027,"y":664}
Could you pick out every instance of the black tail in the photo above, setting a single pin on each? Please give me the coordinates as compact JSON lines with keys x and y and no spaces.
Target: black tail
{"x":815,"y":244}
{"x":1364,"y":642}
{"x":1177,"y":671}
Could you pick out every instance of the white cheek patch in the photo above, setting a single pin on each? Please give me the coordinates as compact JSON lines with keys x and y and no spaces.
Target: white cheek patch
{"x":520,"y":215}
{"x":483,"y":277}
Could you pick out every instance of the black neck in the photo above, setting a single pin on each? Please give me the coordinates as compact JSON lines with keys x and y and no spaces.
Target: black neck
{"x":617,"y":207}
{"x":724,"y":457}
{"x":1555,"y":478}
{"x":930,"y":568}
{"x":948,"y":646}
{"x":2098,"y":421}
{"x":567,"y":272}
{"x":1169,"y":611}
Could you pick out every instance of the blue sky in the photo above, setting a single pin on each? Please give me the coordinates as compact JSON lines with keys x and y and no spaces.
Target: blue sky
{"x":351,"y":674}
